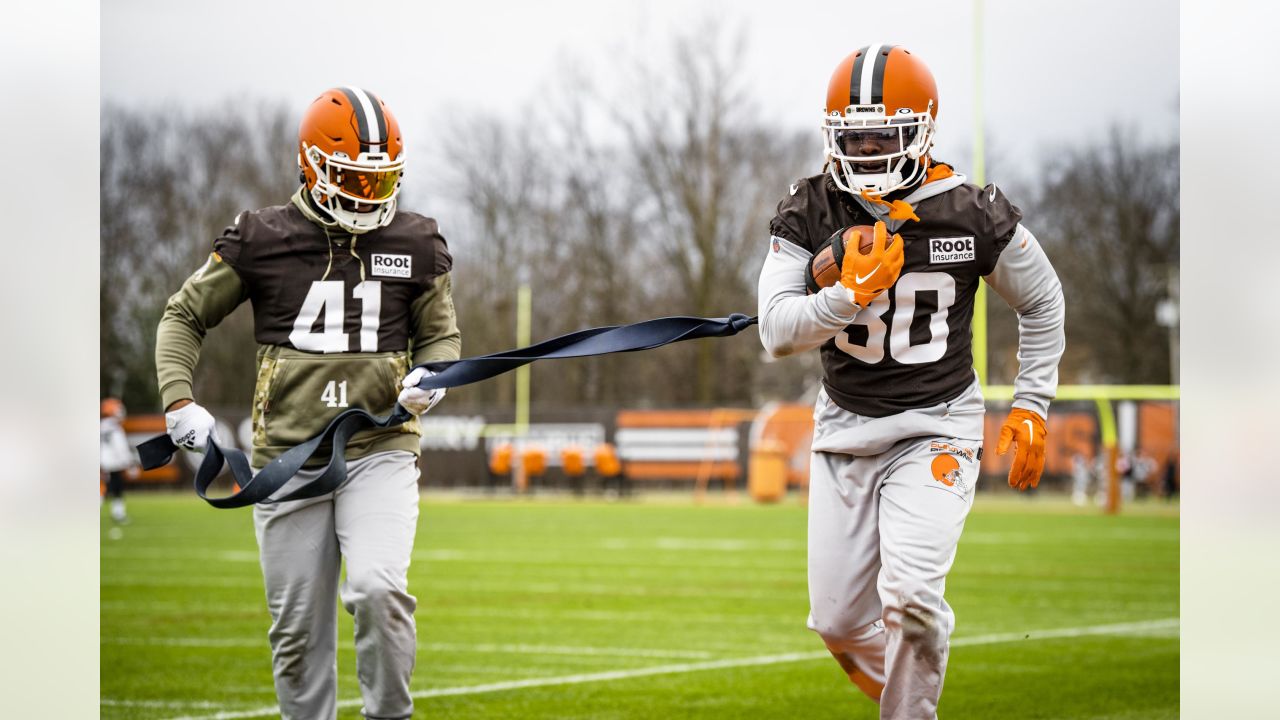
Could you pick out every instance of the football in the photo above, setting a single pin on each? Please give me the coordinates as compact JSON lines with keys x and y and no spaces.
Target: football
{"x":824,"y":268}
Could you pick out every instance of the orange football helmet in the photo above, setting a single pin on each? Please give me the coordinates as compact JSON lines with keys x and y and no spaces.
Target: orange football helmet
{"x":351,"y":158}
{"x":886,"y":95}
{"x":111,"y":407}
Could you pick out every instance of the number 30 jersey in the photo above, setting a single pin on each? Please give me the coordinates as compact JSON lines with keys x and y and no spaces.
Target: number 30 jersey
{"x":911,"y":347}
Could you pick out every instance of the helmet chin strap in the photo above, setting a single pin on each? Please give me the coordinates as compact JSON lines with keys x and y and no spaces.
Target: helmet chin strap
{"x":898,"y":209}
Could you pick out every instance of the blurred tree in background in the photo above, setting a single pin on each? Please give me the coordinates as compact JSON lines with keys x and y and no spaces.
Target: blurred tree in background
{"x":1107,"y":215}
{"x":615,"y":204}
{"x":619,"y":204}
{"x":170,"y":182}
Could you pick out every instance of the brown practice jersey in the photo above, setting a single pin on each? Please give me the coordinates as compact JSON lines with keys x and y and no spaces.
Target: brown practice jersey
{"x":325,"y":291}
{"x":911,"y":347}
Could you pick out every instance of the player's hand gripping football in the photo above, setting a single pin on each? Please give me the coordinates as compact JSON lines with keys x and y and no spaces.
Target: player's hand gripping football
{"x":1025,"y":429}
{"x":415,"y":399}
{"x":866,"y":276}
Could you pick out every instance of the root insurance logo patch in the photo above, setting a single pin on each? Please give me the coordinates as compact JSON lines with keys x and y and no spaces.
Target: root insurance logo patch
{"x":392,"y":265}
{"x":950,"y":250}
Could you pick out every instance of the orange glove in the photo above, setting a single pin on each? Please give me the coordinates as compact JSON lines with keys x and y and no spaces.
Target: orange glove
{"x":866,"y":276}
{"x":1025,"y":428}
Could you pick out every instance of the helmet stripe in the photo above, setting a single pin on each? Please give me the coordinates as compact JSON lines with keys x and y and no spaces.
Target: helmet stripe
{"x":369,"y":125}
{"x":877,"y":74}
{"x":379,"y":116}
{"x":855,"y":82}
{"x":865,"y":96}
{"x":362,"y":120}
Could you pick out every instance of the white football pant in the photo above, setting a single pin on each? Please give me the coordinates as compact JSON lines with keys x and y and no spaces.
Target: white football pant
{"x":369,"y":522}
{"x":883,"y":531}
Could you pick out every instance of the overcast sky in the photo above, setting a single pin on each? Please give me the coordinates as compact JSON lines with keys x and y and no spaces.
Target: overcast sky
{"x":1056,"y":72}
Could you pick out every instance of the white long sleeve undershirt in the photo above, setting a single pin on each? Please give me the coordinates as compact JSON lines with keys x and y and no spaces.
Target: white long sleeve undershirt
{"x":791,"y":321}
{"x":1027,"y":281}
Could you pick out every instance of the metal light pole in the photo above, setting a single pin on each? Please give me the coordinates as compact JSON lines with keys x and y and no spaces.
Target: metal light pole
{"x":1167,"y":315}
{"x":979,"y":179}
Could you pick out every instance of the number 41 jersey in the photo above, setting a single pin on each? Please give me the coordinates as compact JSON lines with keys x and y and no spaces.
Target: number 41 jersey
{"x":911,"y":347}
{"x":325,"y":291}
{"x":338,"y":318}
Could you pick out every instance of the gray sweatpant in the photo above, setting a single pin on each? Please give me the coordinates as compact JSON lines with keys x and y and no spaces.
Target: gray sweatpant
{"x":370,"y":522}
{"x":883,"y":531}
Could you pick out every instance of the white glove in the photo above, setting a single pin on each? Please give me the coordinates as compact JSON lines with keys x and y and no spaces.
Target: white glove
{"x":413,"y":398}
{"x":190,"y":426}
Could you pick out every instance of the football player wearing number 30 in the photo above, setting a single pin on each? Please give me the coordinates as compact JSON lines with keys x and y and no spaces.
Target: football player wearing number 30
{"x":899,"y":420}
{"x":347,"y":293}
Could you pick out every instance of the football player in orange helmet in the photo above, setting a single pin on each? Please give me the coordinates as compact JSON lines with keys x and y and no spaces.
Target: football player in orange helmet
{"x":351,"y":158}
{"x":879,"y":122}
{"x":117,"y":457}
{"x":348,"y":294}
{"x":899,"y":420}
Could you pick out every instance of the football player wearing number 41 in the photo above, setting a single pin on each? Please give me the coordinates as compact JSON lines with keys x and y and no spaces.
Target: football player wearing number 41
{"x":899,"y":420}
{"x":348,"y":292}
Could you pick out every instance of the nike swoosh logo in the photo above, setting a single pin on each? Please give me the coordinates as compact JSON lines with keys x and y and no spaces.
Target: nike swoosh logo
{"x":861,"y":278}
{"x":794,"y":188}
{"x":1031,"y":429}
{"x":992,"y":196}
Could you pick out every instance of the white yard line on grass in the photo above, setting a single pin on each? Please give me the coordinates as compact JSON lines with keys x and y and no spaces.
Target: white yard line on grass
{"x":703,"y":544}
{"x":175,"y":705}
{"x":681,"y":668}
{"x":1094,"y":535}
{"x":1132,"y":628}
{"x":436,"y":613}
{"x":190,"y":642}
{"x":224,"y":581}
{"x":569,"y":650}
{"x":506,"y":649}
{"x":563,"y":557}
{"x":534,"y":587}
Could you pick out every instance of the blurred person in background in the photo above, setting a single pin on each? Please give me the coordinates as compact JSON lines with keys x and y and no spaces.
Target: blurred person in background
{"x":1081,"y":473}
{"x":1125,"y":468}
{"x":1169,"y":479}
{"x":1144,"y":474}
{"x":348,"y":293}
{"x":1102,"y":471}
{"x":117,"y":457}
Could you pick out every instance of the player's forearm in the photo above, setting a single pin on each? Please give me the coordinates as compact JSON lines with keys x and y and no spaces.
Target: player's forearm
{"x":178,"y":345}
{"x":448,"y":347}
{"x":1041,"y":341}
{"x":791,"y":321}
{"x":203,"y":301}
{"x":1026,"y":280}
{"x":436,"y":335}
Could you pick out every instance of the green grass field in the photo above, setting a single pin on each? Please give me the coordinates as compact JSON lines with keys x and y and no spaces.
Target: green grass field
{"x":652,"y":609}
